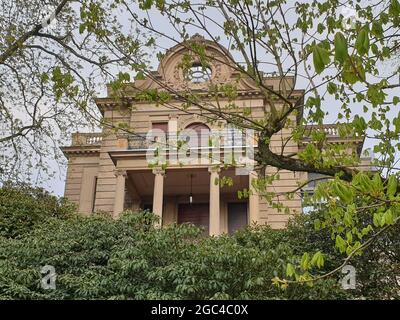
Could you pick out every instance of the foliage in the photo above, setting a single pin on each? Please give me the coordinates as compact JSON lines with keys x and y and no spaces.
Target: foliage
{"x":99,"y":257}
{"x":23,"y":207}
{"x":377,"y":269}
{"x":356,"y":214}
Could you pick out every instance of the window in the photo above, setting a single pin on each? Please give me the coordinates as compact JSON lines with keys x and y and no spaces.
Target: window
{"x":160,"y":126}
{"x":198,"y":127}
{"x":308,"y":192}
{"x":159,"y":131}
{"x":198,"y":73}
{"x":197,"y":135}
{"x":94,"y":193}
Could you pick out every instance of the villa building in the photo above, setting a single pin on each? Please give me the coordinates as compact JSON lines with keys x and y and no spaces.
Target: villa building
{"x":110,"y":171}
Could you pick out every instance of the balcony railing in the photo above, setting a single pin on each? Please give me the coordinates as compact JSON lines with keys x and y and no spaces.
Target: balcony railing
{"x":222,"y":138}
{"x":87,"y":139}
{"x":331,"y":131}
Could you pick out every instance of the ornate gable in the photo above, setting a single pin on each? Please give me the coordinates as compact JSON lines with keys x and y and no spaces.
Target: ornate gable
{"x":221,"y":69}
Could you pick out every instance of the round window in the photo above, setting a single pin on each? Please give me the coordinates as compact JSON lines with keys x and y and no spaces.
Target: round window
{"x":198,"y":73}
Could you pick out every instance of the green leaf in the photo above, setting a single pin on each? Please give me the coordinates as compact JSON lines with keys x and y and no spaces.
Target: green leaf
{"x":349,"y":237}
{"x":290,"y":271}
{"x":341,"y":50}
{"x":320,"y":58}
{"x":388,"y":217}
{"x":377,"y":183}
{"x":318,"y":259}
{"x":344,"y":192}
{"x":362,"y":42}
{"x":45,"y":77}
{"x":391,"y":186}
{"x":317,"y":224}
{"x":394,"y":8}
{"x":377,"y":219}
{"x":145,"y":4}
{"x":353,"y":70}
{"x":305,"y":261}
{"x":140,"y":76}
{"x":340,"y":243}
{"x":82,"y":28}
{"x":332,"y":88}
{"x":377,"y":29}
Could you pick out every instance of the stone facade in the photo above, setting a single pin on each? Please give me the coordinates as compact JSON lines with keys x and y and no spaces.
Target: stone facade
{"x":109,"y":171}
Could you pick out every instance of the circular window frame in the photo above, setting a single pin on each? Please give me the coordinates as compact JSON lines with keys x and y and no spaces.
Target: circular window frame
{"x":203,"y":76}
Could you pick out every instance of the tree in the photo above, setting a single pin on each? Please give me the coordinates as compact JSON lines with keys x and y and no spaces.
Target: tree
{"x":23,"y":208}
{"x":339,"y":61}
{"x":51,"y":65}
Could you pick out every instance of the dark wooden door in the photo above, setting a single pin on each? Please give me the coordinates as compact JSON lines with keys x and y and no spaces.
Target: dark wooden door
{"x":195,"y":213}
{"x":237,"y":216}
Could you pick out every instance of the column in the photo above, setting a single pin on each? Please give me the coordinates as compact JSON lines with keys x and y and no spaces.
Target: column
{"x":253,"y":199}
{"x":215,"y":218}
{"x":119,"y":199}
{"x":158,"y":193}
{"x":173,"y":123}
{"x":172,"y":139}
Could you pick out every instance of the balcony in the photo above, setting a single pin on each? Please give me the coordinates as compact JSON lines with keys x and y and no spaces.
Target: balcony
{"x":224,"y":138}
{"x":219,"y":138}
{"x":87,"y":139}
{"x":332,"y":131}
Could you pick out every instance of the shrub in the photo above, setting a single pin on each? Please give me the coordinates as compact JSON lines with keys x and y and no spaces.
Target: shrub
{"x":98,"y":257}
{"x":23,"y":207}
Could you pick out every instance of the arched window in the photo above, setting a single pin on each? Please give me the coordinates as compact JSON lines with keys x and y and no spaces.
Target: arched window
{"x":198,"y":127}
{"x":197,"y":134}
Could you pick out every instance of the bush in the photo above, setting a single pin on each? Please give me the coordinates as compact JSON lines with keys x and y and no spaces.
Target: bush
{"x":98,"y":257}
{"x":101,"y":258}
{"x":23,"y":207}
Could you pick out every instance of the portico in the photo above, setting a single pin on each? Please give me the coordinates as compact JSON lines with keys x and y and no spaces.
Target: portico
{"x":188,"y":195}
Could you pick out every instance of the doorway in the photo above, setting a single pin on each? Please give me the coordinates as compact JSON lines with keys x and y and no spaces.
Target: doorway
{"x":237,"y":216}
{"x":195,"y":213}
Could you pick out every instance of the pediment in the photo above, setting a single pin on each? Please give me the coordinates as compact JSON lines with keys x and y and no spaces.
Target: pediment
{"x":170,"y":73}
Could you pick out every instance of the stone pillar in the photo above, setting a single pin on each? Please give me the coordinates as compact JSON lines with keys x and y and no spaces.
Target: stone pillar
{"x":119,"y":199}
{"x":253,"y":200}
{"x":172,"y":139}
{"x":173,"y":123}
{"x":158,"y":193}
{"x":215,"y":215}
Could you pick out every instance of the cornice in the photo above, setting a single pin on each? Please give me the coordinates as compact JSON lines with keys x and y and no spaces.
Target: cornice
{"x":110,"y":103}
{"x":80,"y":151}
